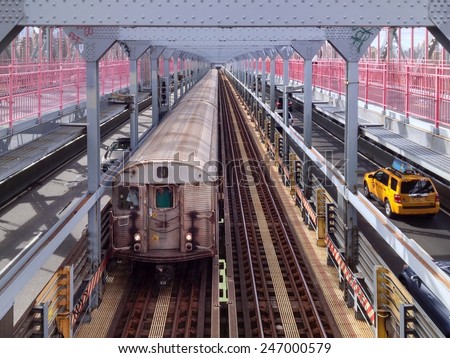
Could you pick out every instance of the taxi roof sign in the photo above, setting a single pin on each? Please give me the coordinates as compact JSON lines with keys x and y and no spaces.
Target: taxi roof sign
{"x":403,"y":167}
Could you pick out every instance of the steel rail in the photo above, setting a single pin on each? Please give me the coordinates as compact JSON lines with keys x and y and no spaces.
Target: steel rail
{"x":245,"y":240}
{"x":315,"y":329}
{"x":276,"y":216}
{"x":419,"y":260}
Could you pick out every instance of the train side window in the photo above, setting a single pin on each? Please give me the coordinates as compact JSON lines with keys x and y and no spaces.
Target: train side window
{"x":162,"y":172}
{"x":164,"y":197}
{"x":133,"y":198}
{"x":128,"y":198}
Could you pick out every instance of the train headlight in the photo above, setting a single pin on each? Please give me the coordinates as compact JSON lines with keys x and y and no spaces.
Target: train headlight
{"x":137,"y":237}
{"x":188,"y":237}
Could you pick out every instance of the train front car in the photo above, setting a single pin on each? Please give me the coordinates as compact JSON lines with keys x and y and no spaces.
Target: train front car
{"x":164,"y":202}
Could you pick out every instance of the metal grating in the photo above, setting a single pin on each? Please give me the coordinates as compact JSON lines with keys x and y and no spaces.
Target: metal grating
{"x":103,"y":317}
{"x":160,"y":316}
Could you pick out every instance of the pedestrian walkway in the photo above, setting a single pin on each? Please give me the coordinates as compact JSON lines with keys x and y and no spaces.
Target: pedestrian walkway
{"x":25,"y":155}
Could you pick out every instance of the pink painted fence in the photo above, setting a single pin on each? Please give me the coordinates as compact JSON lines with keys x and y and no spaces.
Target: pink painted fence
{"x":415,"y":89}
{"x":33,"y":89}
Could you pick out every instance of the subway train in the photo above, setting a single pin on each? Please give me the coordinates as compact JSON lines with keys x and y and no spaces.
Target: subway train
{"x":164,"y":200}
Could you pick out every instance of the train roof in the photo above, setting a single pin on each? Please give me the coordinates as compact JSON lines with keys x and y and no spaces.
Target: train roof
{"x":188,"y":133}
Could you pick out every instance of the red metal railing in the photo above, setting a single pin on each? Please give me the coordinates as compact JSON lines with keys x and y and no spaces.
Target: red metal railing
{"x":31,"y":90}
{"x":419,"y":90}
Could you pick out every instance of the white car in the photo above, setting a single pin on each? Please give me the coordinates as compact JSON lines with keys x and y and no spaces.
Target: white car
{"x":116,"y":151}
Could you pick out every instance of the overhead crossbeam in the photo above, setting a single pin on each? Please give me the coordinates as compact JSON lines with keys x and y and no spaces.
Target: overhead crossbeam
{"x":198,"y":13}
{"x":219,"y":45}
{"x":217,"y":21}
{"x":217,"y":34}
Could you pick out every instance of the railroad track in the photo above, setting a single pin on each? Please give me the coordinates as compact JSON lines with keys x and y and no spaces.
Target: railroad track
{"x":270,"y":291}
{"x":182,"y":309}
{"x":274,"y":289}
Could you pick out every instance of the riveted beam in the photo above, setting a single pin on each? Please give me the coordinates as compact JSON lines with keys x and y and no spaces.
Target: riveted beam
{"x":439,"y":14}
{"x":92,"y":42}
{"x":217,"y":13}
{"x":11,"y":12}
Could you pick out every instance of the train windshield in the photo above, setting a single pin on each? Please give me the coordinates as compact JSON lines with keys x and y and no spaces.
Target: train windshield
{"x":128,"y":198}
{"x":164,"y":197}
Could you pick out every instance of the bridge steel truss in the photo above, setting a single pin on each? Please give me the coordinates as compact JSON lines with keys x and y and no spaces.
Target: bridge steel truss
{"x":218,"y":32}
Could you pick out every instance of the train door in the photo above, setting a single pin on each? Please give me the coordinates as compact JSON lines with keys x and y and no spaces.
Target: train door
{"x":127,"y":216}
{"x":164,"y":217}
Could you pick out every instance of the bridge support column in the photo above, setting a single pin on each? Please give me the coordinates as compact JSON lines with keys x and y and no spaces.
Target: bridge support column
{"x":175,"y":76}
{"x":351,"y":43}
{"x":286,"y":53}
{"x":183,"y":75}
{"x":189,"y":73}
{"x":307,"y":125}
{"x":351,"y":164}
{"x":135,"y":50}
{"x":154,"y":59}
{"x":272,"y":54}
{"x":307,"y":49}
{"x":94,"y":49}
{"x":134,"y":108}
{"x":93,"y":145}
{"x":263,"y":77}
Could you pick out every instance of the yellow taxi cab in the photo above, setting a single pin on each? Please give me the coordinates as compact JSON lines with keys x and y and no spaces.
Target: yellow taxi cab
{"x":402,"y":190}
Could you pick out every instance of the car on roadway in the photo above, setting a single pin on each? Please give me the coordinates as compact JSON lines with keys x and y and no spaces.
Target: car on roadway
{"x":425,"y":297}
{"x":280,"y":102}
{"x":402,"y":190}
{"x":117,"y":151}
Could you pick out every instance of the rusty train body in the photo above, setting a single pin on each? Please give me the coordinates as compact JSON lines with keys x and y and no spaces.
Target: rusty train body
{"x":164,"y":200}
